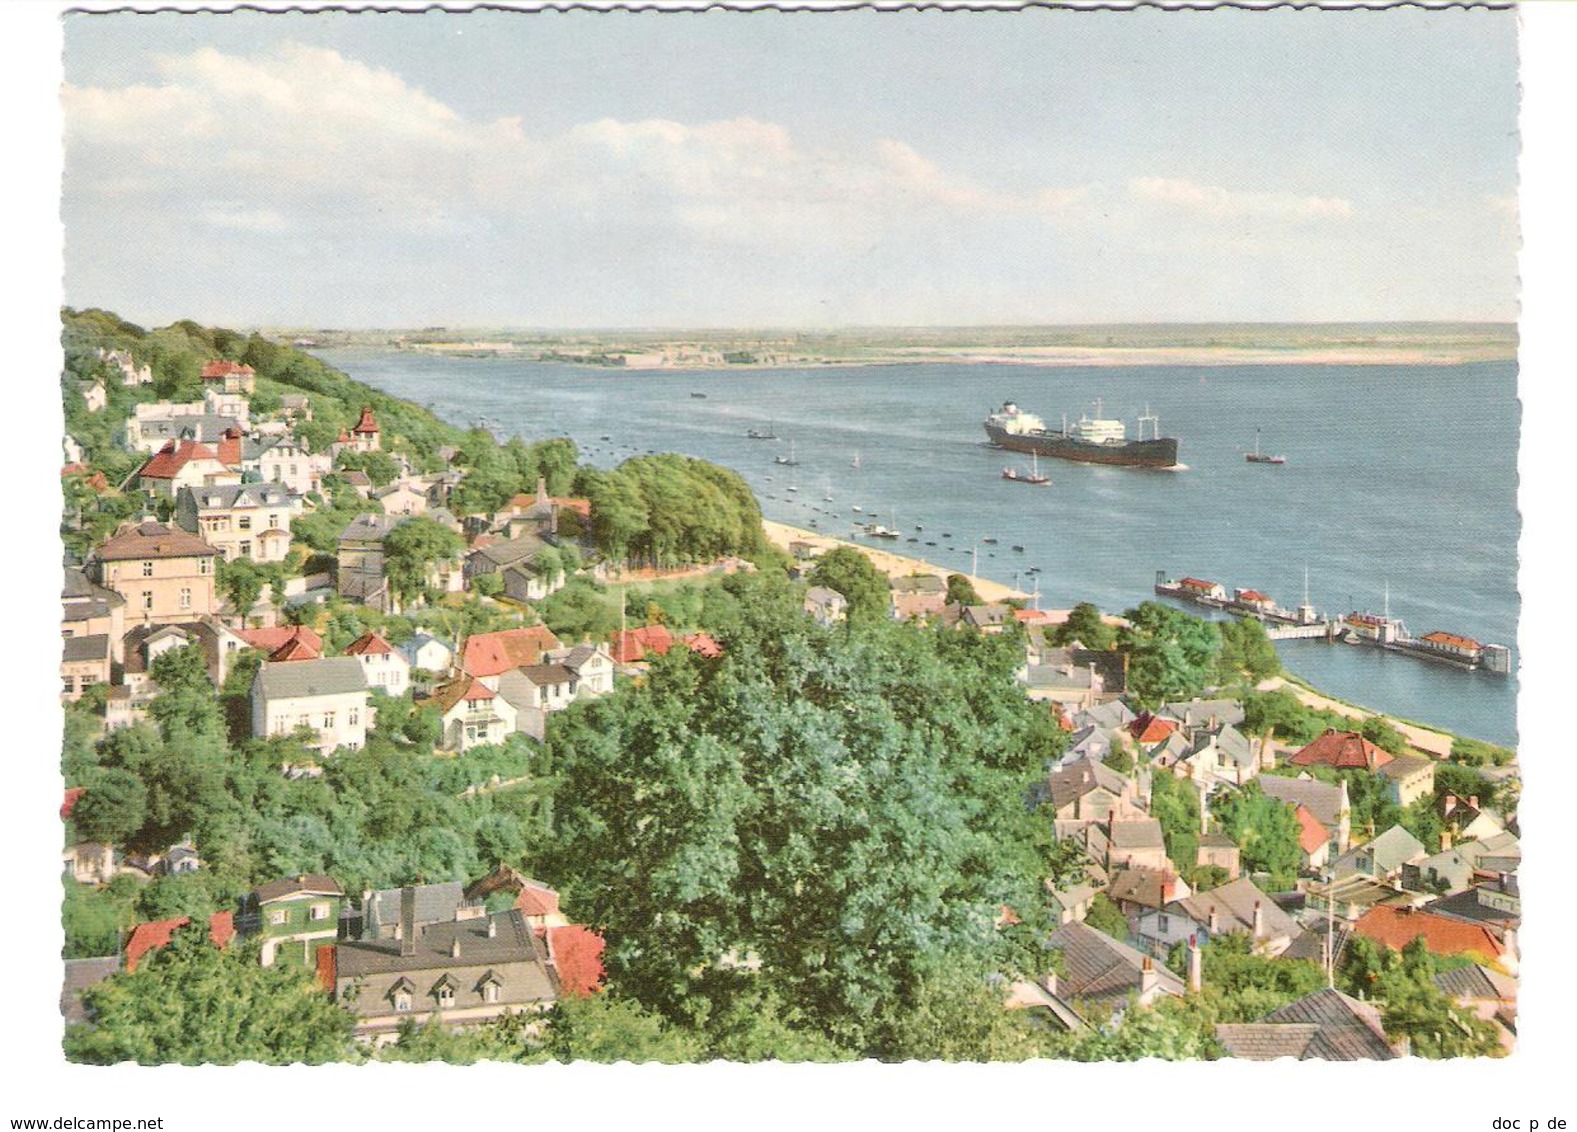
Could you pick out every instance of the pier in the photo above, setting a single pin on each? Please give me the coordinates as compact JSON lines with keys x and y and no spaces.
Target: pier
{"x":1319,"y":630}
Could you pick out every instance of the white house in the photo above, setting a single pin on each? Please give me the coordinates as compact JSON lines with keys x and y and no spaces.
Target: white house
{"x":249,"y":520}
{"x":428,"y":653}
{"x":473,"y":714}
{"x":287,"y":462}
{"x":328,"y":695}
{"x":387,"y":669}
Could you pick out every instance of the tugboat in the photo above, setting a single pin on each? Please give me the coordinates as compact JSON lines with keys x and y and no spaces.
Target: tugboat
{"x":1033,"y":477}
{"x":1255,"y":457}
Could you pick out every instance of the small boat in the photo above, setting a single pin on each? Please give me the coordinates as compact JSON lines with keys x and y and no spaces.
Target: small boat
{"x":787,"y":461}
{"x":757,"y":434}
{"x":605,"y":438}
{"x":699,"y":396}
{"x":876,"y":530}
{"x":989,"y":541}
{"x":1020,"y":549}
{"x":928,"y":543}
{"x":911,"y":538}
{"x":1256,"y":457}
{"x":856,"y":508}
{"x":947,"y":534}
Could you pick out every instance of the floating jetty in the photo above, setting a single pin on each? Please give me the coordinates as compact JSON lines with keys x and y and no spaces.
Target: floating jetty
{"x":1377,"y":630}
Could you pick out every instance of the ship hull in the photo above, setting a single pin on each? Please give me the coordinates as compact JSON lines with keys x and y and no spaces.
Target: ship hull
{"x":1159,"y":453}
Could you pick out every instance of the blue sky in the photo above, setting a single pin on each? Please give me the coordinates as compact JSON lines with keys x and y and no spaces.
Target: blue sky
{"x":776,"y":169}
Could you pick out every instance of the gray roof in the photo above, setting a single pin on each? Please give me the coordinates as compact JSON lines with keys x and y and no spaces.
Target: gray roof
{"x":1069,"y":783}
{"x":1226,"y":739}
{"x":1349,"y":1030}
{"x":313,"y":883}
{"x":918,"y":584}
{"x":1109,"y":716}
{"x":203,"y":427}
{"x":1137,"y":833}
{"x":1267,"y":1041}
{"x":226,"y":496}
{"x":1387,"y":853}
{"x":1053,"y":677}
{"x":80,"y":975}
{"x":75,"y":650}
{"x":1196,"y":713}
{"x":1477,"y":982}
{"x":371,"y":528}
{"x":514,"y":941}
{"x":326,"y":676}
{"x":434,"y":903}
{"x":202,"y":634}
{"x":1404,"y":766}
{"x":1322,"y":798}
{"x":508,"y":553}
{"x":1233,"y":904}
{"x":82,"y":599}
{"x":1095,"y":966}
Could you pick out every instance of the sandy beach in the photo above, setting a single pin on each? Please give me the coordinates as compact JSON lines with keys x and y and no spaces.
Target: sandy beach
{"x":893,"y":565}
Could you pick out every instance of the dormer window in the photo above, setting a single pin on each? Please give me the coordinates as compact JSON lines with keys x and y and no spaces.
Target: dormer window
{"x":402,"y":1002}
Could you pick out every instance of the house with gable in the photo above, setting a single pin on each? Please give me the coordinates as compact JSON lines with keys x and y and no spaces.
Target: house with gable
{"x":1220,"y":753}
{"x":1088,"y":791}
{"x":827,"y":607}
{"x":473,"y":714}
{"x":1342,"y":750}
{"x":1326,"y":1025}
{"x":146,"y":937}
{"x":293,"y":916}
{"x":250,"y":520}
{"x":232,"y":377}
{"x":1384,"y":857}
{"x":489,"y":655}
{"x":918,"y":597}
{"x":1238,"y":907}
{"x":387,"y":669}
{"x":1326,"y":802}
{"x":164,"y":574}
{"x":287,"y":462}
{"x":401,"y":498}
{"x":328,"y":696}
{"x":359,"y":560}
{"x":1408,"y":778}
{"x":427,"y":653}
{"x":183,"y":463}
{"x":1442,"y":935}
{"x":1099,"y":975}
{"x":92,"y":627}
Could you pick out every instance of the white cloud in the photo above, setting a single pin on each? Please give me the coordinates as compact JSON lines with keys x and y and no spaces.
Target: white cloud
{"x":1221,"y":203}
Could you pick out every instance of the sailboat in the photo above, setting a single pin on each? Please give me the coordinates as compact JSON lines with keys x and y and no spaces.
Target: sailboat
{"x":787,"y":461}
{"x":856,"y":461}
{"x":827,"y":495}
{"x":876,"y":530}
{"x":756,"y":434}
{"x":1255,"y":457}
{"x":1014,"y":475}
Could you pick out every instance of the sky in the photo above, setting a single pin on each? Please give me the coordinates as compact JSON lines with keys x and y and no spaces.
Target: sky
{"x":773,"y":169}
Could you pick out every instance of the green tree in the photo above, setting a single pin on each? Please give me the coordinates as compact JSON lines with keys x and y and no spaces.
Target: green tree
{"x":1265,"y":828}
{"x":193,"y":1003}
{"x":606,"y":1029}
{"x":1172,"y":656}
{"x":1085,"y":626}
{"x":113,"y":810}
{"x":851,"y":574}
{"x":1172,"y":1030}
{"x":241,"y":583}
{"x":411,"y":551}
{"x":1246,"y":652}
{"x":1105,"y":916}
{"x":961,"y":591}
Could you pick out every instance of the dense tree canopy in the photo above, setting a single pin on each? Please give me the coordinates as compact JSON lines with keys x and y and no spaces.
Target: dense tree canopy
{"x":851,"y":574}
{"x":1172,"y":656}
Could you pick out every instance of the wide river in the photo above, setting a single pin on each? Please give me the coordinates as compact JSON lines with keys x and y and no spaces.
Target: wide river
{"x":1397,"y":477}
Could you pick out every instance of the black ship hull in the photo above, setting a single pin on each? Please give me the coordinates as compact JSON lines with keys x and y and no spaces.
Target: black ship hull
{"x":1159,"y":453}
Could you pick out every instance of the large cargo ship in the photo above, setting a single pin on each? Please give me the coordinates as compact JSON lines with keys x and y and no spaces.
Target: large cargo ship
{"x":1092,"y":440}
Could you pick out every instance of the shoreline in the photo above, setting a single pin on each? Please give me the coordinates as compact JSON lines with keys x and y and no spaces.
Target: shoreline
{"x":886,"y":562}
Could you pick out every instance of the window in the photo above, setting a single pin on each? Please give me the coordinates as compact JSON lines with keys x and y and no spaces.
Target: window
{"x":278,"y":915}
{"x":147,"y":569}
{"x":186,"y":598}
{"x":246,"y":548}
{"x":205,"y":565}
{"x":244,"y":522}
{"x":490,"y":992}
{"x":402,"y":1001}
{"x":445,"y":997}
{"x":68,"y":684}
{"x":328,"y":719}
{"x":353,"y":717}
{"x":147,"y":599}
{"x":292,"y":469}
{"x":319,"y":911}
{"x":273,"y":522}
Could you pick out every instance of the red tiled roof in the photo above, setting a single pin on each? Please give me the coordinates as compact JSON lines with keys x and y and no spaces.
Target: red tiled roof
{"x":1398,"y":927}
{"x":73,"y":796}
{"x":230,"y":448}
{"x":1341,"y":749}
{"x":221,"y":368}
{"x":703,"y":644}
{"x":1197,"y":584}
{"x":294,"y":649}
{"x":271,"y":640}
{"x":168,"y":461}
{"x":152,"y":936}
{"x":581,"y":507}
{"x":489,"y":654}
{"x":537,"y":900}
{"x":1312,"y":833}
{"x":576,"y":953}
{"x":632,"y":645}
{"x":1253,"y":595}
{"x":367,"y":424}
{"x":1031,"y":616}
{"x":368,"y":644}
{"x":1148,"y":729}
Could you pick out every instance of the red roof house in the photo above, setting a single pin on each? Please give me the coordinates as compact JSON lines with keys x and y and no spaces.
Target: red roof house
{"x":1312,"y":833}
{"x":272,"y":640}
{"x":489,"y":654}
{"x":73,"y":796}
{"x":631,"y":645}
{"x":1442,"y":935}
{"x":1148,"y":729}
{"x":1342,"y":749}
{"x":167,"y":462}
{"x":576,"y":954}
{"x":703,"y":644}
{"x":368,"y":644}
{"x":152,"y":936}
{"x":367,"y":425}
{"x":221,"y":369}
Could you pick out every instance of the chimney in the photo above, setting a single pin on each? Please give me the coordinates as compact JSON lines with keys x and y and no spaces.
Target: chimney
{"x":1473,"y":801}
{"x":1196,"y":968}
{"x":1148,"y":977}
{"x":454,"y":948}
{"x":492,"y":928}
{"x":1445,"y":840}
{"x":1448,"y":803}
{"x":542,"y":489}
{"x":1259,"y":921}
{"x":408,"y":921}
{"x":1214,"y":922}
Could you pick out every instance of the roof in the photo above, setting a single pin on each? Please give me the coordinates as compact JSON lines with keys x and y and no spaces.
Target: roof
{"x":632,"y":645}
{"x":294,"y":649}
{"x":82,"y":600}
{"x":1191,"y":713}
{"x":367,"y":423}
{"x":459,"y":690}
{"x":222,"y":368}
{"x":489,"y":654}
{"x":1267,"y":1041}
{"x":1311,"y":831}
{"x":1451,"y":640}
{"x":1137,"y":833}
{"x":168,"y":461}
{"x":1234,"y":904}
{"x":311,"y":884}
{"x":512,"y":942}
{"x":371,"y":527}
{"x":509,"y":552}
{"x":1096,"y":966}
{"x":434,"y":902}
{"x":200,"y":634}
{"x":1442,"y":935}
{"x":1323,"y":799}
{"x":1150,"y":888}
{"x":1349,"y":1030}
{"x":536,"y":898}
{"x":271,"y":640}
{"x":80,"y":975}
{"x":1072,"y":782}
{"x":368,"y":644}
{"x":78,"y":649}
{"x":703,"y":644}
{"x":1393,"y":849}
{"x":543,"y":675}
{"x":1148,"y":729}
{"x":1342,"y":749}
{"x":918,"y":583}
{"x":324,"y":676}
{"x":576,"y":955}
{"x":69,"y":801}
{"x":152,"y":936}
{"x":224,"y":497}
{"x":1402,"y":767}
{"x":1477,"y":981}
{"x":152,"y":540}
